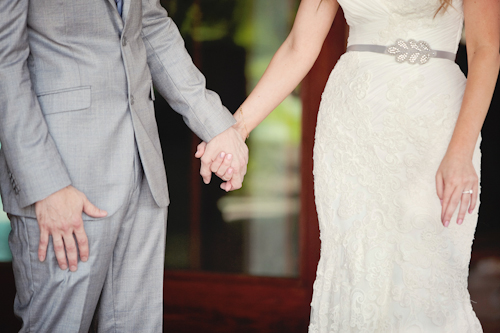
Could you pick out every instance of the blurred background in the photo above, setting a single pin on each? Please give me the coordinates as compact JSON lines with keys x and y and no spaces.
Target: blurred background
{"x":232,"y":42}
{"x":245,"y":261}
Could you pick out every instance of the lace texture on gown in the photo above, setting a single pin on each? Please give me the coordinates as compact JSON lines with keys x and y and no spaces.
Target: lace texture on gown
{"x":387,"y":263}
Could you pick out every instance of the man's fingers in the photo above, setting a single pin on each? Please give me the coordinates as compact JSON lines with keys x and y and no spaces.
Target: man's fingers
{"x":226,"y":186}
{"x":91,"y":210}
{"x":235,"y":185}
{"x":70,"y":246}
{"x":205,"y":169}
{"x":200,"y":150}
{"x":79,"y":231}
{"x":83,"y":243}
{"x":60,"y":216}
{"x":59,"y":251}
{"x":244,"y":169}
{"x":229,"y":141}
{"x":42,"y":245}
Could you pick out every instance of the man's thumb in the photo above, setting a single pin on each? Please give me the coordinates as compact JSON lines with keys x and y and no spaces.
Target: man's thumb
{"x":91,"y":210}
{"x":200,"y":150}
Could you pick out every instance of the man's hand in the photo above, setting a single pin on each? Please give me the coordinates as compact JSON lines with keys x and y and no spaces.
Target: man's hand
{"x":60,"y":215}
{"x":226,"y":155}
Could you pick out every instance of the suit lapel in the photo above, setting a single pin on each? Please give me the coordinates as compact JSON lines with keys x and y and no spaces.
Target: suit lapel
{"x":125,"y":9}
{"x":115,"y":13}
{"x":113,"y":3}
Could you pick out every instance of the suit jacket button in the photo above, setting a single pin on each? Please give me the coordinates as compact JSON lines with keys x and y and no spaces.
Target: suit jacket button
{"x":131,"y":99}
{"x":124,"y":41}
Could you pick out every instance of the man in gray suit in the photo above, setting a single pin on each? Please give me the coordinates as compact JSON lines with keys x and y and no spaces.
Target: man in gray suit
{"x":77,"y":128}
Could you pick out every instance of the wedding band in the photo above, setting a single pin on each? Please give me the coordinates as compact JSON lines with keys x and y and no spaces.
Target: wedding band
{"x":468,"y":192}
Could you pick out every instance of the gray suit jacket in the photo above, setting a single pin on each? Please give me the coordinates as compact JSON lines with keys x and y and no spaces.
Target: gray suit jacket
{"x":76,"y":98}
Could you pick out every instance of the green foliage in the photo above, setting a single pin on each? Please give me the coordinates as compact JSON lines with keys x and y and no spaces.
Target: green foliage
{"x":204,"y":20}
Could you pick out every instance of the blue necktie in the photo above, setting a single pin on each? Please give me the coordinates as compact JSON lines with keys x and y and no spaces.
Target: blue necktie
{"x":119,"y":5}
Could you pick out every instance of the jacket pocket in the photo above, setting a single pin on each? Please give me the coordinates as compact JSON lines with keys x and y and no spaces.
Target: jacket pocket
{"x":72,"y":99}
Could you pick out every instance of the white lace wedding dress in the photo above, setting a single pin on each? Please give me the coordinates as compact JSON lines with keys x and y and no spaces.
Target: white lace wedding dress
{"x":387,"y":263}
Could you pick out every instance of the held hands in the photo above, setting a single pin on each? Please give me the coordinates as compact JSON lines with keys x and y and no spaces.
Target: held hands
{"x":60,"y":215}
{"x":226,"y":155}
{"x":455,"y":178}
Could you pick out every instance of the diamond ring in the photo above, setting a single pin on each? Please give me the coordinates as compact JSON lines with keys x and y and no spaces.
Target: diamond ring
{"x":468,"y":192}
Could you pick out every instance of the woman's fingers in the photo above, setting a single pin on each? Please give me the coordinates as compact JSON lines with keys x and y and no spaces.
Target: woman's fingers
{"x":454,"y":177}
{"x":223,"y":167}
{"x":231,"y":183}
{"x":459,"y":196}
{"x":452,"y":203}
{"x":464,"y":204}
{"x":439,"y":186}
{"x":445,"y":201}
{"x":474,"y":197}
{"x":217,"y":163}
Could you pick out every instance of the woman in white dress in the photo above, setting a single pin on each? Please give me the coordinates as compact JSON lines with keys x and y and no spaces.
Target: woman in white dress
{"x":396,"y":157}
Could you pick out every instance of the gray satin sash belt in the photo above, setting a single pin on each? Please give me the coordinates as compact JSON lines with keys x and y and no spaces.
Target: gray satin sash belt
{"x":410,"y":51}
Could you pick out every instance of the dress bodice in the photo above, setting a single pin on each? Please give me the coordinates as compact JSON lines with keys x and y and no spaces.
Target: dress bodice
{"x":382,"y":22}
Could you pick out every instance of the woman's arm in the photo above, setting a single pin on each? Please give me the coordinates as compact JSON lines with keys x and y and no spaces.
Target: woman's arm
{"x":290,"y":64}
{"x":456,"y":173}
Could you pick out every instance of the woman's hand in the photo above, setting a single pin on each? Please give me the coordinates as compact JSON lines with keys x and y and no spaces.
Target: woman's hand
{"x":456,"y":175}
{"x":221,"y":166}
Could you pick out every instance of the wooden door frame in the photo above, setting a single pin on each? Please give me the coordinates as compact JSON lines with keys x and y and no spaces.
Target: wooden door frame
{"x":197,"y":301}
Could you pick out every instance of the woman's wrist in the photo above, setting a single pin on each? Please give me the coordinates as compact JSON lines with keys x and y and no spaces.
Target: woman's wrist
{"x":463,"y":150}
{"x":459,"y":154}
{"x":241,"y":125}
{"x":241,"y":130}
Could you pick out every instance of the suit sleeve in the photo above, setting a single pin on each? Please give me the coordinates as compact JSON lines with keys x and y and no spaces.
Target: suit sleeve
{"x":32,"y":157}
{"x":177,"y":78}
